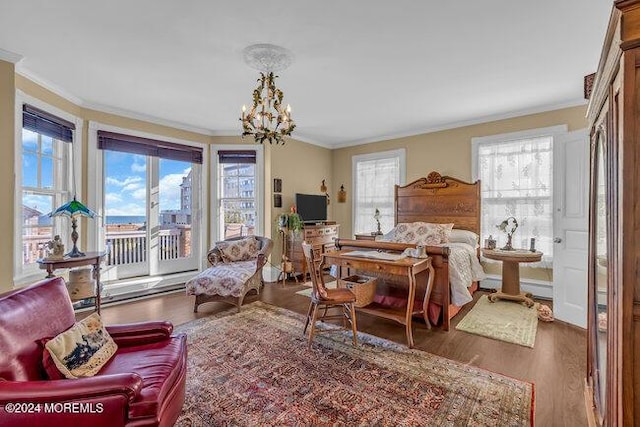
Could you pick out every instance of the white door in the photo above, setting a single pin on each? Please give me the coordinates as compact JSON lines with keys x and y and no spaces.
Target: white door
{"x":570,"y":224}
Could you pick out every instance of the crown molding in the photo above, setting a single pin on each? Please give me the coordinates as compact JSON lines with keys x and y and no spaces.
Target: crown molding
{"x":463,"y":123}
{"x":146,"y":118}
{"x":52,"y":87}
{"x":8,"y":56}
{"x":298,"y":137}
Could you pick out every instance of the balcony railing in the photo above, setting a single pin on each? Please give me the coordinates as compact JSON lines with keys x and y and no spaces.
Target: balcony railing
{"x":130,"y":247}
{"x":33,"y":247}
{"x":125,"y":247}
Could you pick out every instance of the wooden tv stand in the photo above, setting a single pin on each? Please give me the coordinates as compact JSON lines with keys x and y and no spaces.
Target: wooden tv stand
{"x":317,"y":235}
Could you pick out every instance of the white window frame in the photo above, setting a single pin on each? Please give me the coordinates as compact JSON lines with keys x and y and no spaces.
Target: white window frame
{"x":95,"y":198}
{"x":400,"y":153}
{"x":27,"y":274}
{"x":214,"y":220}
{"x":476,"y":142}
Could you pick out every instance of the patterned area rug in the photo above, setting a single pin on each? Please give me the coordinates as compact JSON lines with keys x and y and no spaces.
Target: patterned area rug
{"x":254,"y":369}
{"x":502,"y":320}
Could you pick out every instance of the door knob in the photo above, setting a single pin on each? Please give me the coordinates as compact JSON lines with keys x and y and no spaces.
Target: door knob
{"x":557,"y":240}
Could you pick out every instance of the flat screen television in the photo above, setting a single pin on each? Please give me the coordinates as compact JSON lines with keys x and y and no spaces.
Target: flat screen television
{"x":311,"y":207}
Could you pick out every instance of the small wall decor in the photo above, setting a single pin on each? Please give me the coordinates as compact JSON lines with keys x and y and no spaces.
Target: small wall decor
{"x":323,"y":187}
{"x":277,"y":186}
{"x":277,"y":200}
{"x":342,"y":195}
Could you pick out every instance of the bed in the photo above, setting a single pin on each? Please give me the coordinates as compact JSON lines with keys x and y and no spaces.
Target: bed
{"x":441,"y":200}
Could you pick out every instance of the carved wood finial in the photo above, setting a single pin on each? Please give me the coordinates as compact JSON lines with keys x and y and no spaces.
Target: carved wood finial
{"x":435,"y":180}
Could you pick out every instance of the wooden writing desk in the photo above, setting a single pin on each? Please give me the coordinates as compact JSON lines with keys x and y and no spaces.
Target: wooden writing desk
{"x":408,"y":267}
{"x":90,"y":258}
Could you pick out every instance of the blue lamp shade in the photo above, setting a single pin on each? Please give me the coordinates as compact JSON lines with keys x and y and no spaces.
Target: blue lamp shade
{"x":74,"y":209}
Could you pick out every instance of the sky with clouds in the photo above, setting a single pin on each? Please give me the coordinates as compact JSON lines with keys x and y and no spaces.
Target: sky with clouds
{"x":126,"y":182}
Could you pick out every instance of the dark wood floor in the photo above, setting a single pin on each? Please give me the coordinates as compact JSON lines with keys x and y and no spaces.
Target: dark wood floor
{"x":556,"y":365}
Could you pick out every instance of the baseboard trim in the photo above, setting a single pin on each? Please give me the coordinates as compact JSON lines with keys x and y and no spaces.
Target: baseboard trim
{"x":539,"y":288}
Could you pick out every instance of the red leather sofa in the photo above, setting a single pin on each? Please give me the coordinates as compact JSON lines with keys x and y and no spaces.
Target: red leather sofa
{"x":143,"y":384}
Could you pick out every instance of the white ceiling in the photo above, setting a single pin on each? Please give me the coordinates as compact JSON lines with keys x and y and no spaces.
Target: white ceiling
{"x":364,"y":70}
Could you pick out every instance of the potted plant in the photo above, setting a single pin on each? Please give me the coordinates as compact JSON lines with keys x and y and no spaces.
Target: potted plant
{"x":294,"y":222}
{"x":290,"y":222}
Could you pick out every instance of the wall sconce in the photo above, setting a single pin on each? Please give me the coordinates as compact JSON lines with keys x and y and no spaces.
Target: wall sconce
{"x":342,"y":195}
{"x":323,"y":189}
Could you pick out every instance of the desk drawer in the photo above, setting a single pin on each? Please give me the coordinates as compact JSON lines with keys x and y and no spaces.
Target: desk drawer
{"x":373,"y":267}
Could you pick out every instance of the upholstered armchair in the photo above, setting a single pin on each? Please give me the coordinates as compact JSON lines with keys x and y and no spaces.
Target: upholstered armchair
{"x":236,"y":269}
{"x":143,"y":384}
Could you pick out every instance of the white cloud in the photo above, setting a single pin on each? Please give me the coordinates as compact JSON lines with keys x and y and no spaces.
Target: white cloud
{"x":170,"y":191}
{"x":139,"y":194}
{"x":137,"y":209}
{"x":134,"y":186}
{"x":121,"y":183}
{"x":112,"y":198}
{"x":138,"y":167}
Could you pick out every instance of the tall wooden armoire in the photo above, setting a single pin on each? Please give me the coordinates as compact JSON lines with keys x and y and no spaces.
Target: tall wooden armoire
{"x":613,"y":379}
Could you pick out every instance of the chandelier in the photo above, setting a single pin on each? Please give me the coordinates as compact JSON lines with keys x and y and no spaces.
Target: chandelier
{"x":267,"y":118}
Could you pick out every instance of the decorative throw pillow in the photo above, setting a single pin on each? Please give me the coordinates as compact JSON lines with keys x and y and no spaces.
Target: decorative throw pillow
{"x":50,"y":368}
{"x":83,"y":349}
{"x":422,"y":233}
{"x":238,"y":250}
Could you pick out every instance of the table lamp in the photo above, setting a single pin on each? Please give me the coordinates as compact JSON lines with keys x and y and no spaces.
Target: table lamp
{"x":74,"y":209}
{"x":377,"y":216}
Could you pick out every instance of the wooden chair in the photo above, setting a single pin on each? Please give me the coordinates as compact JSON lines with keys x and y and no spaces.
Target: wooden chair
{"x":323,"y":298}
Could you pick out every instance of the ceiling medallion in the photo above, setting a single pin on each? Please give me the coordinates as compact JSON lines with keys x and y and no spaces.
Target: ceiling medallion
{"x":267,"y":119}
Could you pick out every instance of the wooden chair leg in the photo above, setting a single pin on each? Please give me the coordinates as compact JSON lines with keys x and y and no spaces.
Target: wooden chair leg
{"x":306,"y":324}
{"x":354,"y":328}
{"x":312,"y":332}
{"x":345,"y":315}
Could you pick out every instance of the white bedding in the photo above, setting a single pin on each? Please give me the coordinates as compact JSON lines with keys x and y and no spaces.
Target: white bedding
{"x":464,"y":268}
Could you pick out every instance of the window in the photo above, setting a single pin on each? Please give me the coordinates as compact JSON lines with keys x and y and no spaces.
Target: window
{"x":43,"y":182}
{"x":516,"y":176}
{"x":149,"y":187}
{"x":237,"y":192}
{"x":374,"y":179}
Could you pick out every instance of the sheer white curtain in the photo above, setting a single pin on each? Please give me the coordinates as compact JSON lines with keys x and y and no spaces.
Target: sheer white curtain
{"x":374,"y":177}
{"x":517,"y":180}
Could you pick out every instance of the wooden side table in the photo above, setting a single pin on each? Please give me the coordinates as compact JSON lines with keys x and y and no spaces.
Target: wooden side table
{"x":511,"y":273}
{"x":90,"y":258}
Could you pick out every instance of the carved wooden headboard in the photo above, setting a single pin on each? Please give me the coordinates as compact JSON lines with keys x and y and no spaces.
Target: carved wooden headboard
{"x":439,"y":199}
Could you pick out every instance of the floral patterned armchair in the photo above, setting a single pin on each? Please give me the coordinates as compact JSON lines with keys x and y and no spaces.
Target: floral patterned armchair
{"x":236,"y":269}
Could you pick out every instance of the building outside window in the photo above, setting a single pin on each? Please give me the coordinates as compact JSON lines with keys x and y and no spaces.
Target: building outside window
{"x":237,"y":192}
